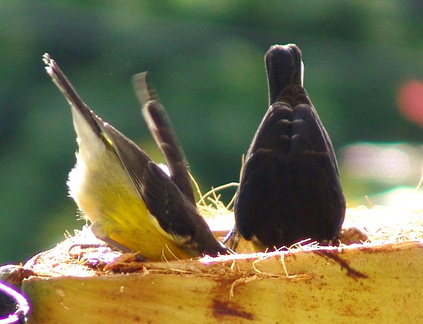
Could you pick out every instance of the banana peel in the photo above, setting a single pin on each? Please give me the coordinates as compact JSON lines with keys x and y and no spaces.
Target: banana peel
{"x":372,"y":282}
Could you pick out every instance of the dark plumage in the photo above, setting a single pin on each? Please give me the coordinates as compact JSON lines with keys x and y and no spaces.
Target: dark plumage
{"x":289,"y":188}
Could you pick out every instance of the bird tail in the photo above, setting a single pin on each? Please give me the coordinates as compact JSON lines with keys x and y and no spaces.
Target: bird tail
{"x":284,"y":67}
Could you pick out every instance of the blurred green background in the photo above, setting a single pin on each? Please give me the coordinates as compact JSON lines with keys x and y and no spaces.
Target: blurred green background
{"x":206,"y":62}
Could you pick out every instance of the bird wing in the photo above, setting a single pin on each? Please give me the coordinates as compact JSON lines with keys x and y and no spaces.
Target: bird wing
{"x":160,"y":127}
{"x":161,"y":195}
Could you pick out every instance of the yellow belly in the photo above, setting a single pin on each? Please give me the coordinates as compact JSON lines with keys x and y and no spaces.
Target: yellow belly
{"x":105,"y":194}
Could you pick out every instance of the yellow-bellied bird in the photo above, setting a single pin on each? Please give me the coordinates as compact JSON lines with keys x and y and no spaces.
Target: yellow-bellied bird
{"x":289,"y":187}
{"x":132,"y":202}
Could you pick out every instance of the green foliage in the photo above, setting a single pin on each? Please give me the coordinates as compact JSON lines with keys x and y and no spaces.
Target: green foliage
{"x":206,"y":62}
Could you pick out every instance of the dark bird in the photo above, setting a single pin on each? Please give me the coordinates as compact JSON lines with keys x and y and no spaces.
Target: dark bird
{"x":289,"y":188}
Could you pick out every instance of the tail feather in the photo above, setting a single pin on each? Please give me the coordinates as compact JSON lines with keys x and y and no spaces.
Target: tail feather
{"x":284,"y":67}
{"x":70,"y":93}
